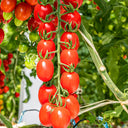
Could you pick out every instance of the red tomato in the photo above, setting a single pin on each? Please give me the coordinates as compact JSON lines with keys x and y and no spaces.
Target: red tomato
{"x":5,"y":62}
{"x":55,"y":20}
{"x":32,"y":24}
{"x":17,"y":94}
{"x":2,"y":77}
{"x":0,"y":62}
{"x":44,"y":46}
{"x":6,"y":69}
{"x":45,"y":93}
{"x":69,"y":37}
{"x":1,"y":83}
{"x":75,"y":3}
{"x":44,"y":114}
{"x":32,"y":2}
{"x":77,"y":119}
{"x":9,"y":61}
{"x":23,"y":11}
{"x":69,"y":56}
{"x":72,"y":105}
{"x":73,"y":17}
{"x":42,"y":11}
{"x":48,"y":27}
{"x":10,"y":55}
{"x":60,"y":117}
{"x":1,"y":91}
{"x":8,"y":5}
{"x":70,"y":81}
{"x":1,"y":35}
{"x":6,"y":89}
{"x":62,"y":10}
{"x":45,"y":70}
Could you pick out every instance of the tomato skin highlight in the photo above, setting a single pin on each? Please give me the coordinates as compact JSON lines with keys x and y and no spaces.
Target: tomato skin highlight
{"x":69,"y":37}
{"x":23,"y":11}
{"x":45,"y":93}
{"x":32,"y":2}
{"x":42,"y":11}
{"x":45,"y":70}
{"x":44,"y":114}
{"x":8,"y":5}
{"x":1,"y":35}
{"x":60,"y":117}
{"x":44,"y":46}
{"x":68,"y":57}
{"x":72,"y":105}
{"x":48,"y":27}
{"x":73,"y":17}
{"x":70,"y":81}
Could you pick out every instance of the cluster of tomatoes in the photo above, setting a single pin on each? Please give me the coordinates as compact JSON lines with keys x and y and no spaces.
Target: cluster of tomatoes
{"x":6,"y":62}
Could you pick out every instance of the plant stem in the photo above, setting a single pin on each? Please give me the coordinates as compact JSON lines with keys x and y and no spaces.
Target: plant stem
{"x":58,"y":48}
{"x":99,"y":64}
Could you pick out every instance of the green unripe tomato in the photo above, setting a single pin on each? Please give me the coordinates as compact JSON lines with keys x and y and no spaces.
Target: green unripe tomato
{"x":123,"y":19}
{"x":23,"y":48}
{"x":34,"y":36}
{"x":110,"y":27}
{"x":18,"y":22}
{"x":7,"y":16}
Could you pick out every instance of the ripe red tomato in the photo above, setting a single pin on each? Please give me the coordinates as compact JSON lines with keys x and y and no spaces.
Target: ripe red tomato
{"x":70,"y":81}
{"x":32,"y":24}
{"x":42,"y":11}
{"x":62,"y":10}
{"x":68,"y":57}
{"x":45,"y":93}
{"x":45,"y":70}
{"x":1,"y":35}
{"x":55,"y":20}
{"x":60,"y":117}
{"x":23,"y":11}
{"x":48,"y":27}
{"x":6,"y":89}
{"x":17,"y":94}
{"x":44,"y":114}
{"x":69,"y":37}
{"x":44,"y":46}
{"x":72,"y":105}
{"x":1,"y":91}
{"x":32,"y":2}
{"x":10,"y":55}
{"x":73,"y":17}
{"x":75,"y":3}
{"x":1,"y":83}
{"x":8,"y":5}
{"x":2,"y":77}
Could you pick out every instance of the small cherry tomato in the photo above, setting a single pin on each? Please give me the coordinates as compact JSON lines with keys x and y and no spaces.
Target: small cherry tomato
{"x":10,"y":55}
{"x":42,"y":11}
{"x":72,"y":105}
{"x":6,"y":89}
{"x":1,"y":35}
{"x":8,"y":5}
{"x":68,"y":57}
{"x":71,"y":38}
{"x":45,"y":46}
{"x":55,"y":20}
{"x":45,"y":93}
{"x":23,"y":11}
{"x":1,"y":83}
{"x":32,"y":24}
{"x":75,"y":3}
{"x":44,"y":114}
{"x":32,"y":2}
{"x":45,"y":70}
{"x":17,"y":94}
{"x":60,"y":117}
{"x":1,"y":91}
{"x":72,"y":18}
{"x":46,"y":28}
{"x":70,"y":81}
{"x":0,"y":62}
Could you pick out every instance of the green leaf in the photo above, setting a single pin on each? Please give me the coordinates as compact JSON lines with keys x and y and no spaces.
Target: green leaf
{"x":113,"y":113}
{"x":9,"y":104}
{"x":28,"y":84}
{"x":5,"y":121}
{"x":2,"y":69}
